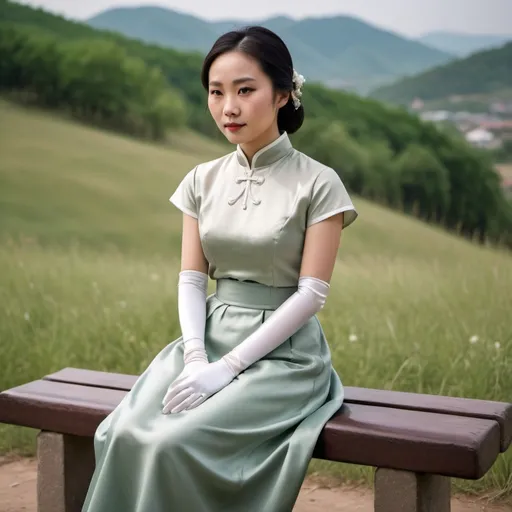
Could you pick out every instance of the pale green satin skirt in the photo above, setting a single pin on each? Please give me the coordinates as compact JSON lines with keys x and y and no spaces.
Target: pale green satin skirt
{"x":247,"y":448}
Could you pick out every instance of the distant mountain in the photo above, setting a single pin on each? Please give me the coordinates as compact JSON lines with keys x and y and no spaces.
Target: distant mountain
{"x":158,"y":25}
{"x":339,"y":51}
{"x":462,"y":44}
{"x":485,"y":72}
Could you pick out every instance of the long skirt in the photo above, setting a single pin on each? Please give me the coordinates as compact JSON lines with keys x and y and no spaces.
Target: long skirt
{"x":247,"y":448}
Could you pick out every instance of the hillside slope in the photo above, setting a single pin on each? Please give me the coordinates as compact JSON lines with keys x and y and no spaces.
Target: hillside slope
{"x":61,"y":182}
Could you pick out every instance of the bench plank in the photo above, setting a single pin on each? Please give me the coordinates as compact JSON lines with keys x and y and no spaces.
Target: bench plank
{"x":56,"y":407}
{"x":94,"y":378}
{"x":412,"y":441}
{"x":466,"y":407}
{"x":370,"y":435}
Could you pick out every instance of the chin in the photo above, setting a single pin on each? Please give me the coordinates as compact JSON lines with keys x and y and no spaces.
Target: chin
{"x":235,"y":138}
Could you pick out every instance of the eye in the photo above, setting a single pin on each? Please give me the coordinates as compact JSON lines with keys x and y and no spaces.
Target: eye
{"x":215,"y":92}
{"x":245,"y":90}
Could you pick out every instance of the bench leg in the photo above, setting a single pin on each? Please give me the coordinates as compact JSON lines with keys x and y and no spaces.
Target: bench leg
{"x":65,"y":468}
{"x":402,"y":491}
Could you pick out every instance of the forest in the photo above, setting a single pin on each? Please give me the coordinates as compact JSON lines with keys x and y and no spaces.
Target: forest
{"x":381,"y":152}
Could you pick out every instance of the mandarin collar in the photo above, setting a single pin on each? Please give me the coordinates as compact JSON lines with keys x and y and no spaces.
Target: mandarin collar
{"x":267,"y":155}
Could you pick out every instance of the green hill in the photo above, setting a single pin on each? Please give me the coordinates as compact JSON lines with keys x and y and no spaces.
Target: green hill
{"x":383,"y":153}
{"x":62,"y":183}
{"x":339,"y":51}
{"x":485,"y":72}
{"x":89,"y":251}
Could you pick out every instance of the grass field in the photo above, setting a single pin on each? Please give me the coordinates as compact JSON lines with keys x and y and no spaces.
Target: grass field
{"x":89,"y":252}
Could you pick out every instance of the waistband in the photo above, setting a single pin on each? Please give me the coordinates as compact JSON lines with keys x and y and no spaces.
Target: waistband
{"x":252,"y":295}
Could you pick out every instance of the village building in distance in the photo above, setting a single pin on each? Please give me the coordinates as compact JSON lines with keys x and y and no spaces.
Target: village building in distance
{"x":487,"y":129}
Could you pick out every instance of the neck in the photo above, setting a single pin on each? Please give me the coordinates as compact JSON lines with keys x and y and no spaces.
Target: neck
{"x":266,"y":138}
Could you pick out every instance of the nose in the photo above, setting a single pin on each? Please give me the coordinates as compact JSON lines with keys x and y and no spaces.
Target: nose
{"x":231,"y":108}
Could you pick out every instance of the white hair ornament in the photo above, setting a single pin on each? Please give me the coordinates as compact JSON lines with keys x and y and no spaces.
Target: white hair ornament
{"x":298,"y":81}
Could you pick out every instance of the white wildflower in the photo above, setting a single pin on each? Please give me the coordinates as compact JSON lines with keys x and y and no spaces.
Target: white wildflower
{"x":27,"y":316}
{"x":352,"y":338}
{"x":474,"y":339}
{"x":122,"y":303}
{"x":497,"y":345}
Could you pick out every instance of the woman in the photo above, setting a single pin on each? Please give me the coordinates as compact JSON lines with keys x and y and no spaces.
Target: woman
{"x":226,"y":417}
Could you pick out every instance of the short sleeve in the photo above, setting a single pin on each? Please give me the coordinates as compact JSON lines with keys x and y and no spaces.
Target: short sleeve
{"x":330,"y":197}
{"x":184,"y":196}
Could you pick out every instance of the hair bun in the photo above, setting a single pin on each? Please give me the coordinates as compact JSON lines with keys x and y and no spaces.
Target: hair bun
{"x":290,"y":118}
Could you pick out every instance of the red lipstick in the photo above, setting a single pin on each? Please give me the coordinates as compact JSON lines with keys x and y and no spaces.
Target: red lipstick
{"x":233,"y":127}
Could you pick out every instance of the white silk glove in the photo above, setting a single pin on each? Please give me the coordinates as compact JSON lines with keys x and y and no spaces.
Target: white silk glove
{"x":283,"y":323}
{"x":193,"y":389}
{"x":192,"y":289}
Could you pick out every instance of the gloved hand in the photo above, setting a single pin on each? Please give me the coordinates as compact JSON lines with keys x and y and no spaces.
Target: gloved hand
{"x":188,"y":369}
{"x":196,"y":383}
{"x":192,"y":287}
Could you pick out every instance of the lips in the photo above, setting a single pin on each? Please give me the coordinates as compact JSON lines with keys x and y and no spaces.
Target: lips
{"x":233,"y":127}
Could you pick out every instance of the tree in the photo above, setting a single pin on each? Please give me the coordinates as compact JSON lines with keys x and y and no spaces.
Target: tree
{"x":424,"y":182}
{"x":330,"y":143}
{"x":145,"y":90}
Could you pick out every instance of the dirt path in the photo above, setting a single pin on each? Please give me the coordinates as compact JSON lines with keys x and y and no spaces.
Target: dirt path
{"x":18,"y":494}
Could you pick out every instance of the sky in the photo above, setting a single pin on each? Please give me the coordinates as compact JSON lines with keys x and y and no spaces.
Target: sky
{"x":408,"y":17}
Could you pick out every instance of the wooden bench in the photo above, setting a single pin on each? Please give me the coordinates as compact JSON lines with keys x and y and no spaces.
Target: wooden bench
{"x":416,"y":442}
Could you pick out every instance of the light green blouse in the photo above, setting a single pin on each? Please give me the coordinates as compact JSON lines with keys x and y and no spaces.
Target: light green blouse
{"x":253,"y":219}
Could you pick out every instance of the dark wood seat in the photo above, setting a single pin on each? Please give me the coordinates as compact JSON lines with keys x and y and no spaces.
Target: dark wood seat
{"x":422,"y":434}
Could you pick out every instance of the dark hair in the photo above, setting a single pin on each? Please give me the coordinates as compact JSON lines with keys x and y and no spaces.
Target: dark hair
{"x":271,"y":52}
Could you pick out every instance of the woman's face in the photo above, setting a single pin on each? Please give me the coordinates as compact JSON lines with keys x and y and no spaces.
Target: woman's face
{"x":242,"y":101}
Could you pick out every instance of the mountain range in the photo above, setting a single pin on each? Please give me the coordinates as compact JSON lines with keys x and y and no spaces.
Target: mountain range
{"x":483,"y":77}
{"x":340,"y":51}
{"x":463,"y":44}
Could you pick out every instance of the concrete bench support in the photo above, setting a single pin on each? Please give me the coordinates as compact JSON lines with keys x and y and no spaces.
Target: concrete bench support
{"x":66,"y":465}
{"x":65,"y":468}
{"x":402,"y":491}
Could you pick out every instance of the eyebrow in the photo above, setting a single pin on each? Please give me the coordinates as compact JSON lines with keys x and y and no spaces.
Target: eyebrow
{"x":235,"y":82}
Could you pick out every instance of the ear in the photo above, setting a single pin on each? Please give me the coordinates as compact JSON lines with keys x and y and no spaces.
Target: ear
{"x":282,"y":99}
